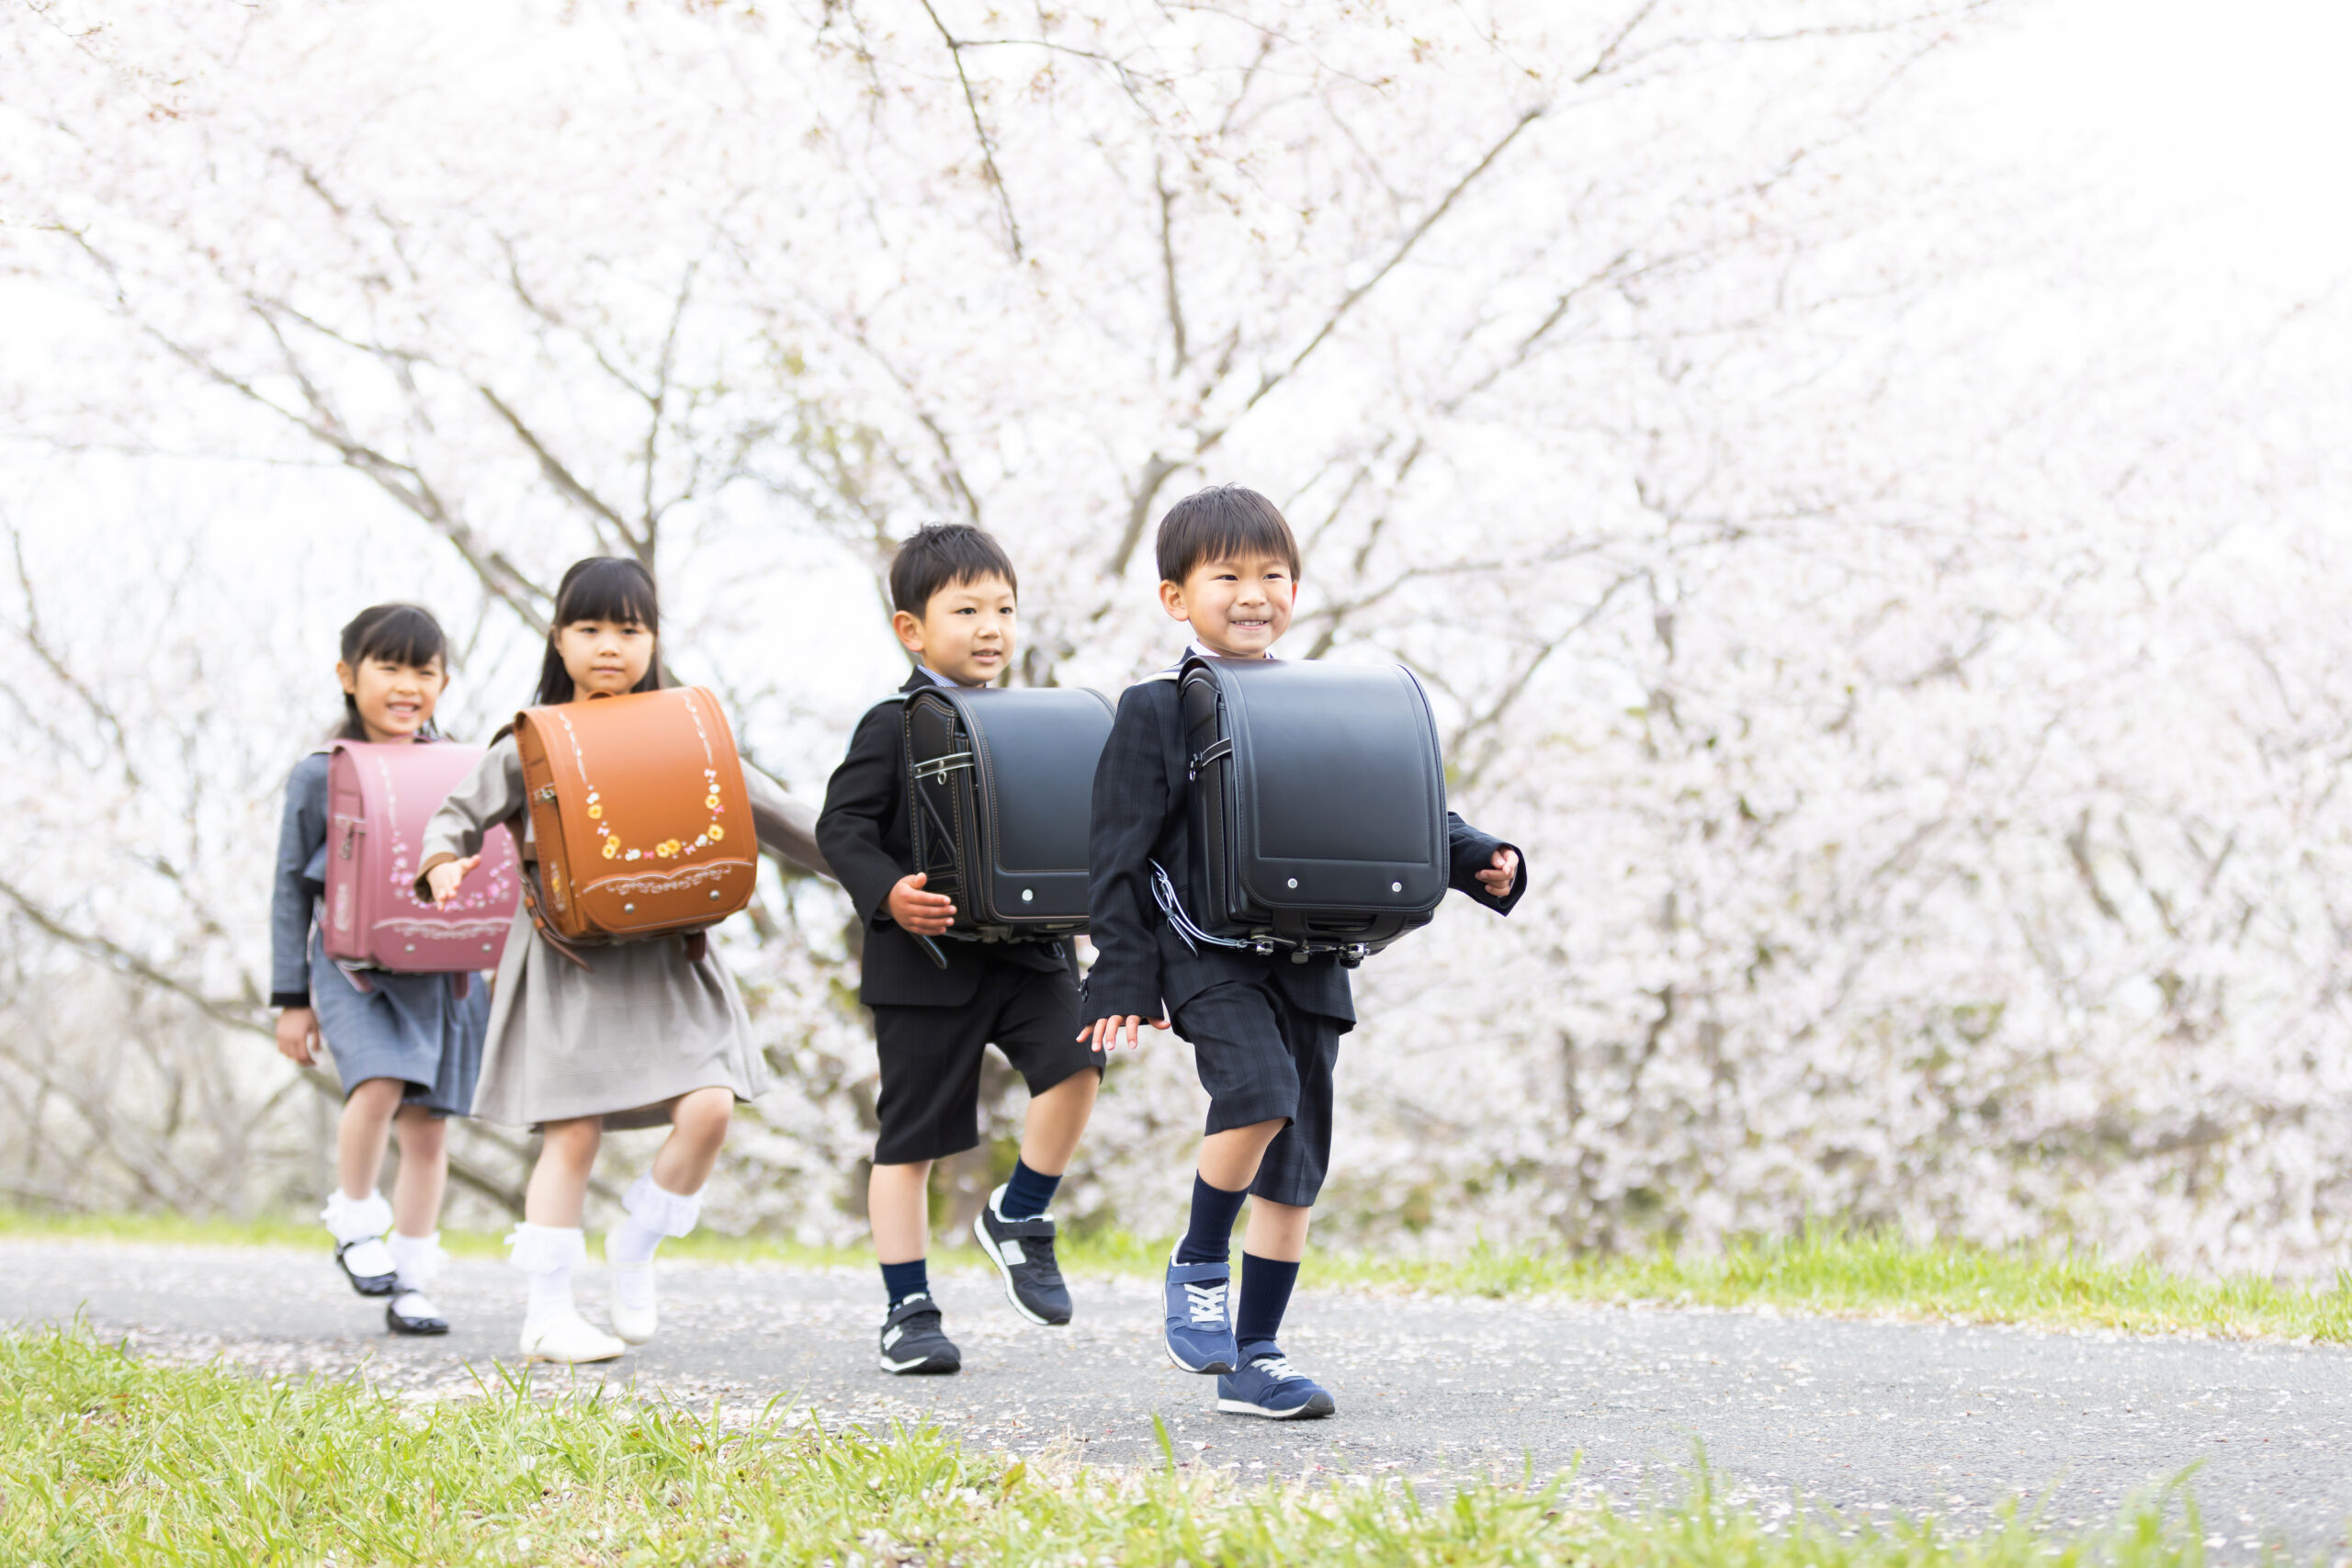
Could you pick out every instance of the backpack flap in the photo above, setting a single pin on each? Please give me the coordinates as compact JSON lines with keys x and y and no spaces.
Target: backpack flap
{"x":1327,"y":821}
{"x":1035,"y":751}
{"x":380,"y":796}
{"x":641,"y":816}
{"x":999,"y":792}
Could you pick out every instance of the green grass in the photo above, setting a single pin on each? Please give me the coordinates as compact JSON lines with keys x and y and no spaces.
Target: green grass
{"x":1823,"y":1272}
{"x":108,"y":1458}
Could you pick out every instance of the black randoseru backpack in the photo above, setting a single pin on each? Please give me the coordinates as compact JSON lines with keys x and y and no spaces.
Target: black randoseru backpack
{"x":1317,"y":812}
{"x":1001,"y":785}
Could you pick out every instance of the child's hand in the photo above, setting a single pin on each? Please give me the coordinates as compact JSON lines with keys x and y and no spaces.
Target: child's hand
{"x":1499,"y":880}
{"x":925,"y":914}
{"x":1104,"y":1032}
{"x":298,"y":1036}
{"x":443,"y":879}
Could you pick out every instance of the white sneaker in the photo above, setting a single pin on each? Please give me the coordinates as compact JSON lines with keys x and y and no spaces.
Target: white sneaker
{"x":570,"y":1339}
{"x":635,"y":1310}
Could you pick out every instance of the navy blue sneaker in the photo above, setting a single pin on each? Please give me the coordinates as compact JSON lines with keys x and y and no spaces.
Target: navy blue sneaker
{"x":912,"y":1341}
{"x":1200,"y":1328}
{"x":1270,"y":1387}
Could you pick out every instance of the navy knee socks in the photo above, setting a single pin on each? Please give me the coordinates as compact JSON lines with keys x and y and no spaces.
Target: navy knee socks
{"x":904,"y":1280}
{"x":1265,"y":1294}
{"x":1209,"y":1238}
{"x":1026,"y":1192}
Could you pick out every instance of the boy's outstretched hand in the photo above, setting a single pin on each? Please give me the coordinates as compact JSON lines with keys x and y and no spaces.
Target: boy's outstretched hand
{"x":1503,"y":875}
{"x":924,"y":914}
{"x":1104,"y":1032}
{"x":443,"y":879}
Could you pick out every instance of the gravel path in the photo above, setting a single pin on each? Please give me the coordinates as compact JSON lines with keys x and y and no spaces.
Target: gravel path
{"x":1872,"y":1417}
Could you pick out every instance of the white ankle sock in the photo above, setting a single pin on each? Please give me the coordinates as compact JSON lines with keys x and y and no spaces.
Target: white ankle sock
{"x":416,"y":1258}
{"x":546,"y":1254}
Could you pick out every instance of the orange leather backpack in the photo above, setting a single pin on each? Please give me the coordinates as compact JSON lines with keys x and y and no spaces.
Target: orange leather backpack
{"x":642,"y":824}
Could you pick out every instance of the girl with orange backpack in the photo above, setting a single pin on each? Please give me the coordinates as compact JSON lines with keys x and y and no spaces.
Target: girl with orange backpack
{"x":406,"y":1046}
{"x":599,"y":1022}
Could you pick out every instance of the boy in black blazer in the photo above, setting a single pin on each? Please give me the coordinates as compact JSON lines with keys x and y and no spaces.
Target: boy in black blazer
{"x":937,"y":1001}
{"x":1265,"y":1031}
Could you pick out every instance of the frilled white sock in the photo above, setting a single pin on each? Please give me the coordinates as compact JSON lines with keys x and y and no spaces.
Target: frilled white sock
{"x":654,"y":1215}
{"x":546,"y":1254}
{"x":358,"y":1225}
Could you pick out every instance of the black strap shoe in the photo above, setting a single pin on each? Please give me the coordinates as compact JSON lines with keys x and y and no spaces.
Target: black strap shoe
{"x":382,"y":1284}
{"x":1023,"y":1251}
{"x":912,"y":1342}
{"x":421,"y":1317}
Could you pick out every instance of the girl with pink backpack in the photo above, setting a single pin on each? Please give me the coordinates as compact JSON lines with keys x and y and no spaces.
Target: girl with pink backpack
{"x":405,"y":1042}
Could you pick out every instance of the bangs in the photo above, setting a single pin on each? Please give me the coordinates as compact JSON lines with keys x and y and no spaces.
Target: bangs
{"x":607,"y":588}
{"x":1223,"y":523}
{"x":396,"y":634}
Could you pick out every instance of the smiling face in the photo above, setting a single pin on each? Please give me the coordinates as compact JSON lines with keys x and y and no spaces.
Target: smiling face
{"x":1237,"y":605}
{"x":604,"y":659}
{"x":966,"y":632}
{"x":394,"y":700}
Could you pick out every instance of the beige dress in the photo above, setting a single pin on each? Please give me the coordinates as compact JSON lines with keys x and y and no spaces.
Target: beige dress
{"x":644,"y":1025}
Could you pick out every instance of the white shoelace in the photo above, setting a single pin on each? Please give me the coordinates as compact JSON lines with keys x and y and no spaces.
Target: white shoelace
{"x":1277,"y":1367}
{"x":1208,"y":1303}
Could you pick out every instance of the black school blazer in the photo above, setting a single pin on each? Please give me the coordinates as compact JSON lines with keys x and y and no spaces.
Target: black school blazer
{"x":863,"y":831}
{"x":1141,"y":797}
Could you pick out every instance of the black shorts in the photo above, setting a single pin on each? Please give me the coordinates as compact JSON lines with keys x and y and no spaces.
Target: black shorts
{"x":929,"y":1106}
{"x":1261,"y":1057}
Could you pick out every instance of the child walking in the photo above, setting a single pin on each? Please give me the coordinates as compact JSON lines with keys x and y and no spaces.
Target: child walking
{"x":405,"y":1046}
{"x":954,"y":594}
{"x":1265,"y":1031}
{"x":650,"y":1033}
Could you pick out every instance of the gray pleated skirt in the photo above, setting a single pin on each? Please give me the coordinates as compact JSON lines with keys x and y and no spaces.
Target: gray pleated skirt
{"x":415,"y":1028}
{"x":620,"y":1040}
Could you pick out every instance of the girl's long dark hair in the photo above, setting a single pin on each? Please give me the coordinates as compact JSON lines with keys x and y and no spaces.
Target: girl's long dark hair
{"x":602,"y":587}
{"x":397,"y":634}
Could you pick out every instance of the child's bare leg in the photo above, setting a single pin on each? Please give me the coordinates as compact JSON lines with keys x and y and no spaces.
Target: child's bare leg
{"x":1056,"y":1120}
{"x":898,"y":1203}
{"x":559,"y":1189}
{"x":425,"y":1170}
{"x":360,"y":1136}
{"x":698,"y":1123}
{"x":1229,"y":1160}
{"x":1276,"y":1231}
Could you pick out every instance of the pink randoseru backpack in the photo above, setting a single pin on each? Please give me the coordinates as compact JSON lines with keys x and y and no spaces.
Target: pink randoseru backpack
{"x":379,"y":799}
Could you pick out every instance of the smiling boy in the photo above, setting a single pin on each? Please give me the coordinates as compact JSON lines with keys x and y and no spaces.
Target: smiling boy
{"x":1264,"y":1029}
{"x":956,"y":616}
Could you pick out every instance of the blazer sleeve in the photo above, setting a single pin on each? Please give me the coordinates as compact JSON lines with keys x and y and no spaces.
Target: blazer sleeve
{"x":1130,"y":807}
{"x":859,"y":800}
{"x":1470,"y":853}
{"x":490,"y":794}
{"x":787,"y":825}
{"x":302,"y":832}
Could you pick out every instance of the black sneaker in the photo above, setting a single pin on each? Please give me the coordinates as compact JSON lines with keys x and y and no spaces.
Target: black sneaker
{"x":912,"y":1344}
{"x":1023,"y":1251}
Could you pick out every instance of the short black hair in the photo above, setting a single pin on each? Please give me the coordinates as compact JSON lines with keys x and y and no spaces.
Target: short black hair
{"x":600,"y":588}
{"x":397,"y":634}
{"x":942,"y":555}
{"x":1223,"y":520}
